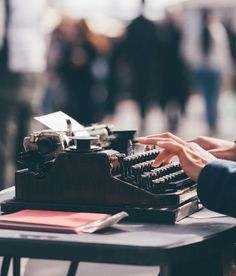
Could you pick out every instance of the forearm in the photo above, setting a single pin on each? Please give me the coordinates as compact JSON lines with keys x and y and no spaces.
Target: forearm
{"x":226,"y":153}
{"x":222,"y":149}
{"x":217,"y":186}
{"x":233,"y":153}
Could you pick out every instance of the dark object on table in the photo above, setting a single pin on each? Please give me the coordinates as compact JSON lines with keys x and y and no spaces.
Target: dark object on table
{"x":83,"y":175}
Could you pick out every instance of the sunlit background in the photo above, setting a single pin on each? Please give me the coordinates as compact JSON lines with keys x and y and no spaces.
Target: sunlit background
{"x":111,"y":17}
{"x":69,"y":56}
{"x":82,"y":58}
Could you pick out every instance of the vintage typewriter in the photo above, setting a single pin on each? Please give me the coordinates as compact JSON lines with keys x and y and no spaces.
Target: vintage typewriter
{"x":103,"y":172}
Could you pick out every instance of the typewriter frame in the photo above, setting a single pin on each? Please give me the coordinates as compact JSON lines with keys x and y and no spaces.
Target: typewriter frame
{"x":83,"y":182}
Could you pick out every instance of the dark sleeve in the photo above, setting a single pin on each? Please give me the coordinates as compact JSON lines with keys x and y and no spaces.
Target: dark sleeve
{"x":217,"y":187}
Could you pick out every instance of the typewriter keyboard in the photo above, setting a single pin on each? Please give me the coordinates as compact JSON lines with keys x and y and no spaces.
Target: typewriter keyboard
{"x":137,"y":169}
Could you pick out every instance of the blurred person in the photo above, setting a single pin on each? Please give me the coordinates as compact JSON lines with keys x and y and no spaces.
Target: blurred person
{"x":137,"y":53}
{"x":22,"y":63}
{"x":175,"y":78}
{"x":209,"y":161}
{"x":55,"y":94}
{"x":119,"y":78}
{"x":75,"y":70}
{"x":230,"y":27}
{"x":100,"y":71}
{"x":213,"y":64}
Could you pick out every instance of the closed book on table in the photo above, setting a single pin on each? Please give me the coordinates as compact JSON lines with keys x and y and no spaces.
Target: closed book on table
{"x":59,"y":221}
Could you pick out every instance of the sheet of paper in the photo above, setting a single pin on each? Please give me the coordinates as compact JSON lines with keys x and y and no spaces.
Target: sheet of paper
{"x":57,"y":121}
{"x":103,"y":223}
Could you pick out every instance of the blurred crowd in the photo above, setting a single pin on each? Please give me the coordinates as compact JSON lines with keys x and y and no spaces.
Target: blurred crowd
{"x":71,"y":67}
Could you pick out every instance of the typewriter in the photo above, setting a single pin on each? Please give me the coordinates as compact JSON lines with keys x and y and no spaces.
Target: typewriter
{"x":103,"y":172}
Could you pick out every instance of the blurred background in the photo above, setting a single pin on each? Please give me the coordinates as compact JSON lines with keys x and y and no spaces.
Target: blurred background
{"x":154,"y":66}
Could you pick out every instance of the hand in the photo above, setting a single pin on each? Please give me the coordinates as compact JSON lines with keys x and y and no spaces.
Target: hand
{"x":191,"y":156}
{"x":219,"y":148}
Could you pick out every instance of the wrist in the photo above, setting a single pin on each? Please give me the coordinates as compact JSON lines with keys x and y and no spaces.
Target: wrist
{"x":234,"y":152}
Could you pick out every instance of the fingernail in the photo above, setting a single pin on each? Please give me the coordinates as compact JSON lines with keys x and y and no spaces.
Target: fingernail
{"x":156,"y":164}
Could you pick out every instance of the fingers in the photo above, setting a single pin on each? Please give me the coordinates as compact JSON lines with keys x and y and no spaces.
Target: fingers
{"x":159,"y":137}
{"x":171,"y":149}
{"x":205,"y":142}
{"x":191,"y":156}
{"x":168,"y":159}
{"x":164,"y":157}
{"x":148,"y":140}
{"x":171,"y":144}
{"x":159,"y":141}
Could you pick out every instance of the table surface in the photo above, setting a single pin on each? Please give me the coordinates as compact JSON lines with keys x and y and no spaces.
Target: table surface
{"x":203,"y":233}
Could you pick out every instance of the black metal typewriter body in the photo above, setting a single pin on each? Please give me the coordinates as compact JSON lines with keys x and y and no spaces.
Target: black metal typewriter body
{"x":108,"y":180}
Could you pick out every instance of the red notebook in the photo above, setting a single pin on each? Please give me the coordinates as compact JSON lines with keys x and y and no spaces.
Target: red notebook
{"x":59,"y":221}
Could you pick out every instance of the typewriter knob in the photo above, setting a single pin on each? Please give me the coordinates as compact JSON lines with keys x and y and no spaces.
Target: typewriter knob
{"x":83,"y":144}
{"x":123,"y":141}
{"x":47,"y":145}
